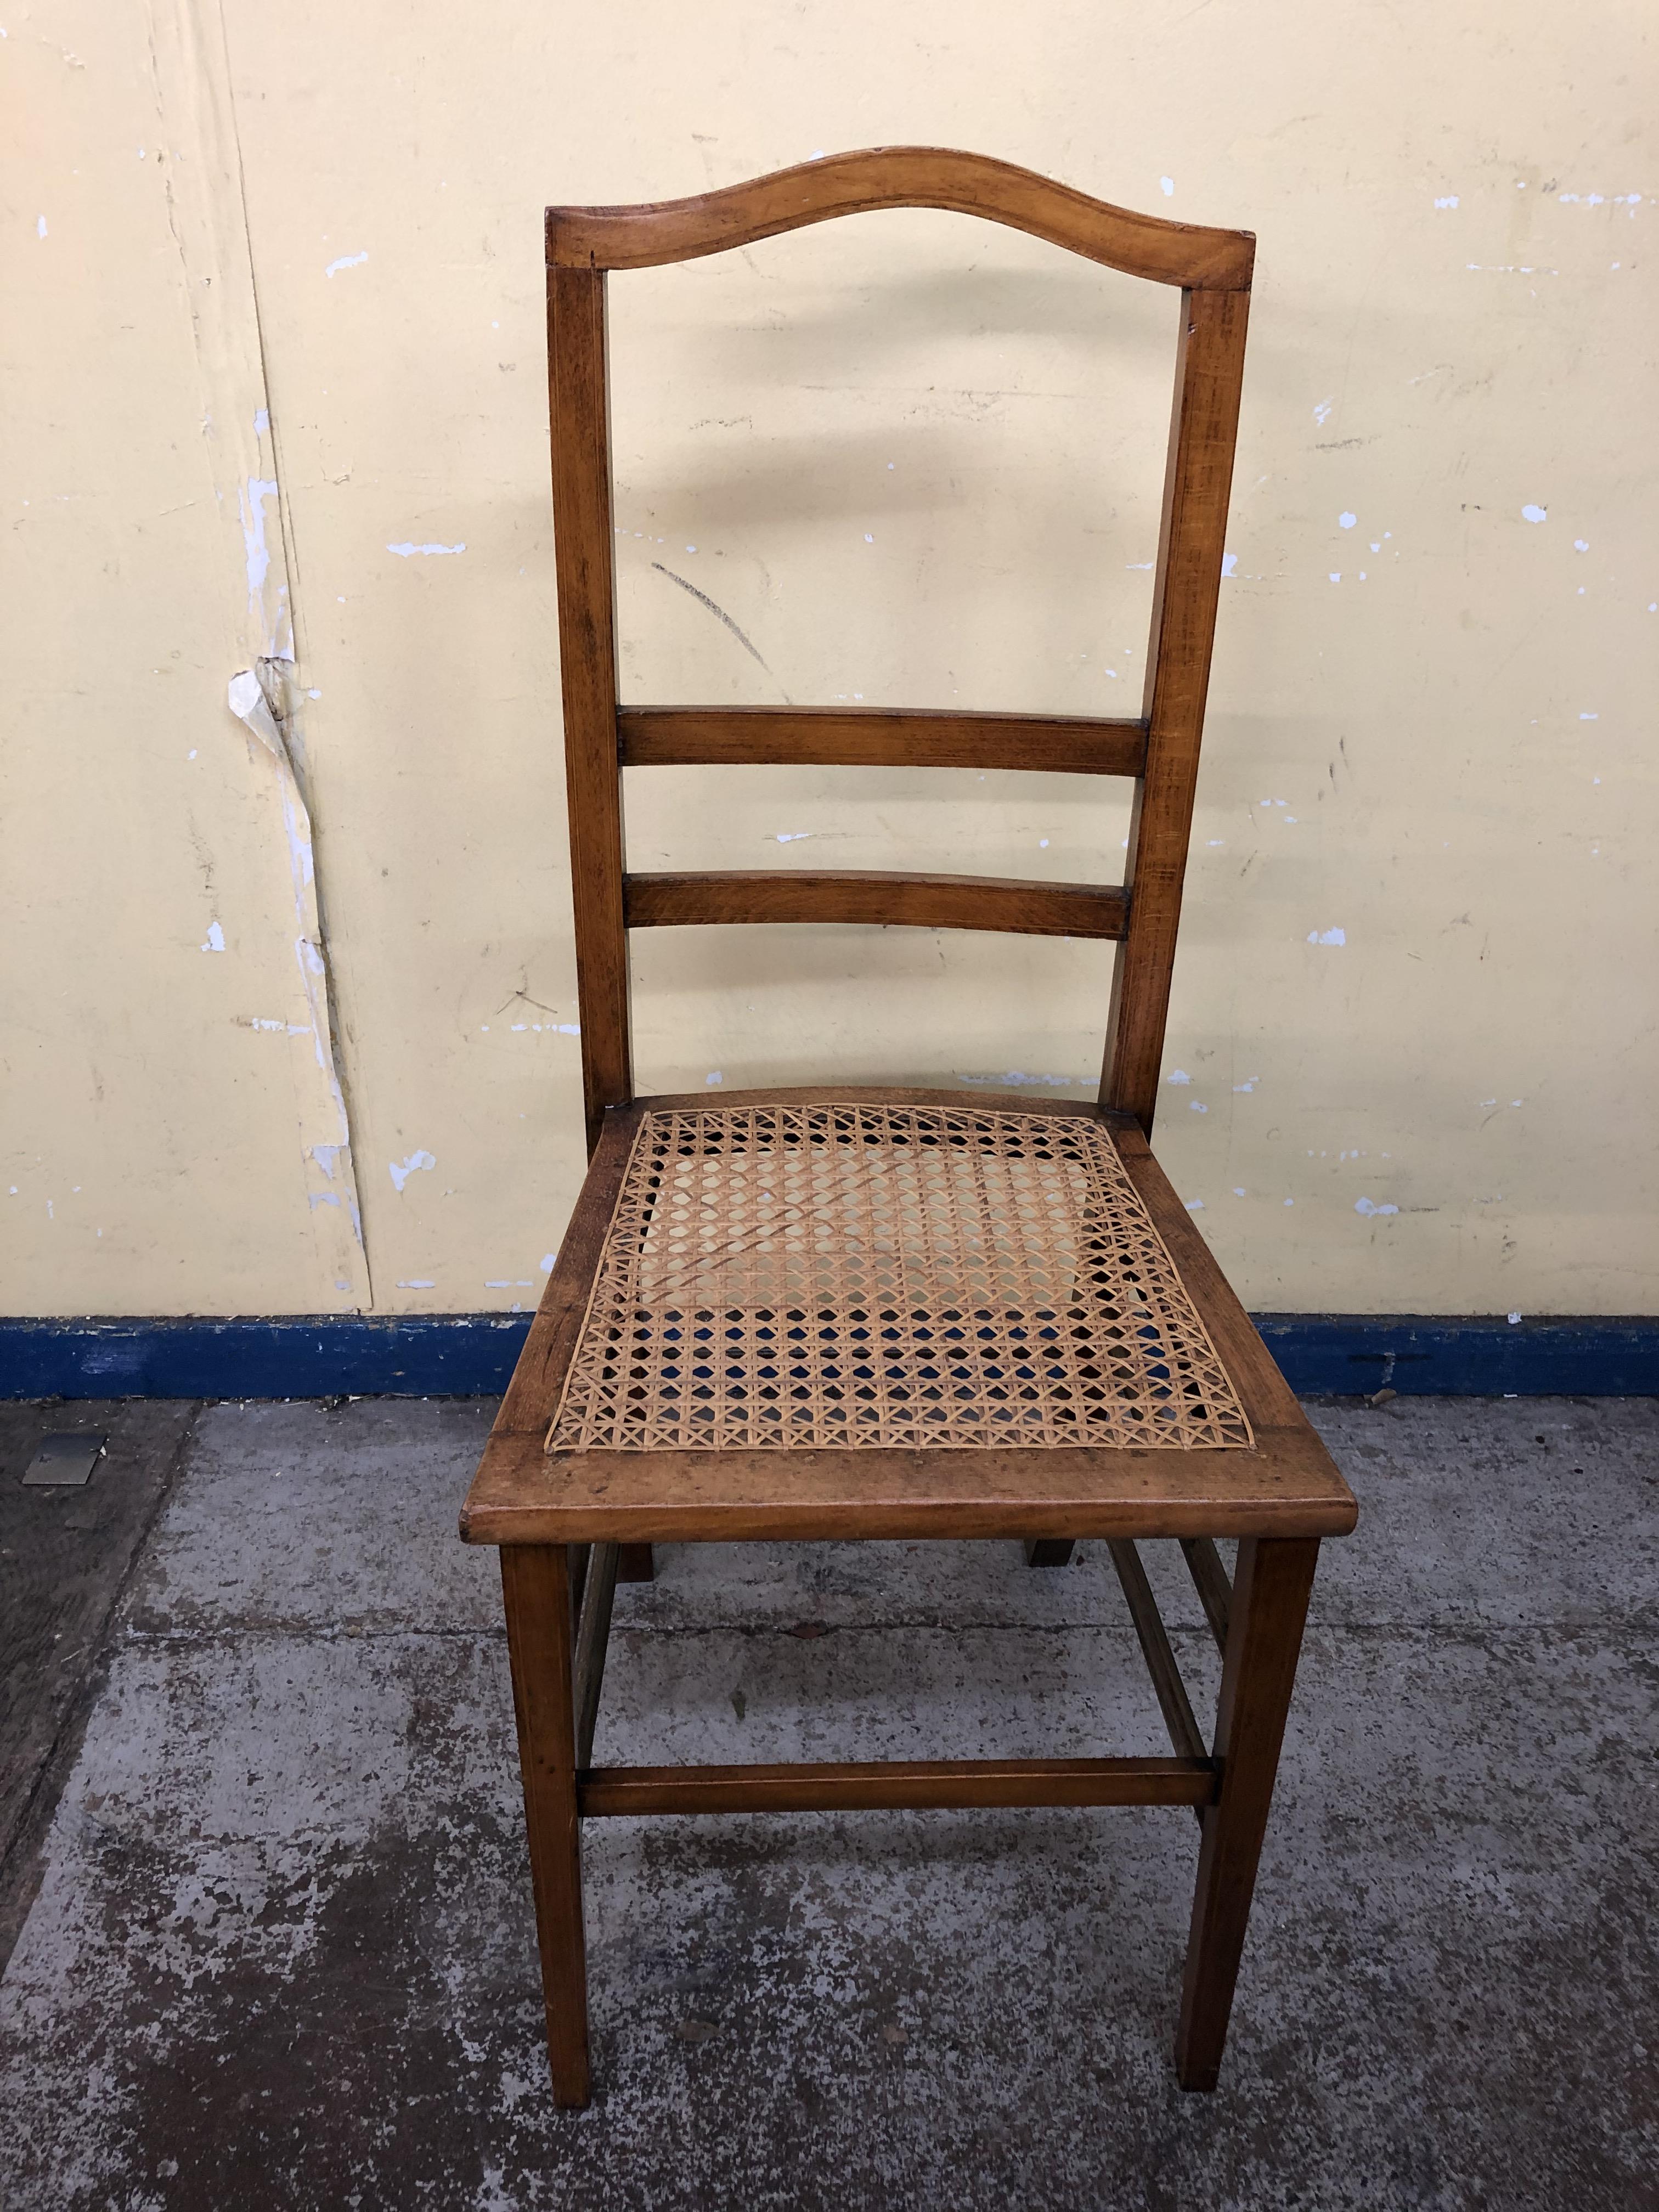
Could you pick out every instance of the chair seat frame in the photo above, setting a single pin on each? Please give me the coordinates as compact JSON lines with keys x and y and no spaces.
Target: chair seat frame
{"x":570,"y":1524}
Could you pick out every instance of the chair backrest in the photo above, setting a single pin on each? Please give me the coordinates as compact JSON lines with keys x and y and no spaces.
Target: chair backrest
{"x":1159,"y":748}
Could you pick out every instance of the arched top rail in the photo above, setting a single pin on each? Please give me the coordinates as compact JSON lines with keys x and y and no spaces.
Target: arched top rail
{"x":657,"y":232}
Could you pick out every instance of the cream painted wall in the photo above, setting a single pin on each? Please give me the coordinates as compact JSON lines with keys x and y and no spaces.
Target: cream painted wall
{"x":1411,"y":1054}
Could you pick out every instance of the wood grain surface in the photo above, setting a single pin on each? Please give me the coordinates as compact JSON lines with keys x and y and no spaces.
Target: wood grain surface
{"x":646,"y":236}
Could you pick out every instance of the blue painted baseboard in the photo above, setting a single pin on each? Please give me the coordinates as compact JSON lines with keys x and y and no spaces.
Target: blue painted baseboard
{"x":471,"y":1355}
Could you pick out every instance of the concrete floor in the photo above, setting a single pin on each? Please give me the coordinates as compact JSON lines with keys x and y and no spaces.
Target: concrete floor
{"x":280,"y":1947}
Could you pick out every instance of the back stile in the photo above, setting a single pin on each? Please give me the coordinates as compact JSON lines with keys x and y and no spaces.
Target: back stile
{"x":1209,"y":373}
{"x":587,"y":654}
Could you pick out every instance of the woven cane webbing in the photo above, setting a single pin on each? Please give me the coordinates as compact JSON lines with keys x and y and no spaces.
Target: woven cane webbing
{"x":783,"y":1277}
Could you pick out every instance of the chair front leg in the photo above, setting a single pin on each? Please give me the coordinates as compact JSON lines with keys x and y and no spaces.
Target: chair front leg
{"x":1271,"y":1587}
{"x":536,"y":1588}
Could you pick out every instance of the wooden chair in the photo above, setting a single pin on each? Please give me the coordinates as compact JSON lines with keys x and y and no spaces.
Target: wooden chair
{"x":841,"y":1313}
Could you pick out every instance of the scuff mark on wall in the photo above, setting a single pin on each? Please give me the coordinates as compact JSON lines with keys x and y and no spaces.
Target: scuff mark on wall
{"x":717,"y":611}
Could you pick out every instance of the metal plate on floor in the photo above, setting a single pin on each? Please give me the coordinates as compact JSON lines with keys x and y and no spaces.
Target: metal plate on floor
{"x":67,"y":1458}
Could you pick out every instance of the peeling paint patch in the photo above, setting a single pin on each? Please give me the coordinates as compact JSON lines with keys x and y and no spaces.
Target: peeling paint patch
{"x":251,"y":499}
{"x":1015,"y":1078}
{"x":407,"y":548}
{"x":1327,"y":936}
{"x":417,"y":1162}
{"x":1366,"y":1207}
{"x":216,"y":938}
{"x":345,"y":261}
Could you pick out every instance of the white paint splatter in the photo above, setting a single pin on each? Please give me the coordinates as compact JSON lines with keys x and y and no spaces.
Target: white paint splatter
{"x":548,"y":1258}
{"x":216,"y":938}
{"x":1327,"y":936}
{"x":1195,"y":1107}
{"x":261,"y":421}
{"x":1581,"y":545}
{"x":400,"y":1173}
{"x":416,"y":1283}
{"x":1336,"y":575}
{"x":345,"y":261}
{"x":1534,"y":513}
{"x":1347,"y":520}
{"x":792,"y":836}
{"x":714,"y":1076}
{"x":1365,"y":1206}
{"x":1514,"y":1321}
{"x":1194,"y":1206}
{"x":1230,"y":564}
{"x":406,"y":549}
{"x":1322,"y":411}
{"x":1448,"y":201}
{"x":1177,"y":1075}
{"x":1166,"y":185}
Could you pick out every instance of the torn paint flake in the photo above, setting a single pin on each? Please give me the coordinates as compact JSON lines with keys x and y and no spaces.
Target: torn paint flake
{"x":418,"y":1161}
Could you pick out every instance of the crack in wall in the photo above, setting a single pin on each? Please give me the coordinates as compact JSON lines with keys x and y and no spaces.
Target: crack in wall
{"x":207,"y":212}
